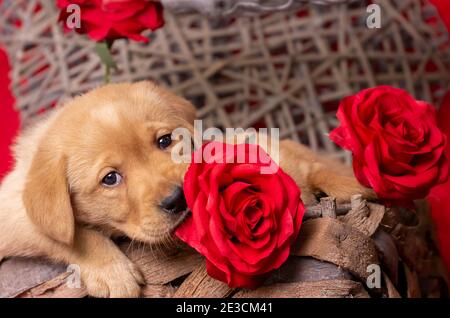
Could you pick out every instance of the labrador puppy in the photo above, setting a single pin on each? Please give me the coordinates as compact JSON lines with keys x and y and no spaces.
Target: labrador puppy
{"x":101,"y":167}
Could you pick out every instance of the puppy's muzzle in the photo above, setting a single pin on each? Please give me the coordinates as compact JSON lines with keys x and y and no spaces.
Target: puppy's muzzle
{"x":175,"y":203}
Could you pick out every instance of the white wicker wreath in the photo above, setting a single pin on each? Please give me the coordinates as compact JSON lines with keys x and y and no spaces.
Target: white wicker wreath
{"x":274,"y":70}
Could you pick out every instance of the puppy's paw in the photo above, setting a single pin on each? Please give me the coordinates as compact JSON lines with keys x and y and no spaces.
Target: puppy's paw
{"x":118,"y":278}
{"x":340,"y":184}
{"x":343,"y":188}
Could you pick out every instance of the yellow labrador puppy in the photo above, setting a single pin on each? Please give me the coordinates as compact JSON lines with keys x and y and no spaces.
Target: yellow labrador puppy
{"x":101,"y":166}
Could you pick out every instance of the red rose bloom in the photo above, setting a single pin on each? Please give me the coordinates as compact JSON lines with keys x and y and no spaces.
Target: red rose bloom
{"x":114,"y":19}
{"x":242,"y":221}
{"x":398,"y":150}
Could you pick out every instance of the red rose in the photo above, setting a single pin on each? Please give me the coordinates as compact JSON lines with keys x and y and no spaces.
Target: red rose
{"x":398,"y":150}
{"x":242,"y":221}
{"x":114,"y":19}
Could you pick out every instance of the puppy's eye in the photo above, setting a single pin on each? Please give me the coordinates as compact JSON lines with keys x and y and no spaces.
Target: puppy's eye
{"x":164,"y":141}
{"x":112,"y":179}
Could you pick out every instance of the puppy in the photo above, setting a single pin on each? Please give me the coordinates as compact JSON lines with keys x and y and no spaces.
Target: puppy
{"x":101,"y":166}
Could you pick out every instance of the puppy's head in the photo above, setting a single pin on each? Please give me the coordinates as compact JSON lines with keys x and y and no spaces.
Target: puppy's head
{"x":106,"y":161}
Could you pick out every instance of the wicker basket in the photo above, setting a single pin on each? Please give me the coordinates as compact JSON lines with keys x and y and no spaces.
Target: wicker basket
{"x":360,"y":249}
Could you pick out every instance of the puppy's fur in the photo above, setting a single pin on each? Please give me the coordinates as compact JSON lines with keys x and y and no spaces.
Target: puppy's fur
{"x":53,"y":203}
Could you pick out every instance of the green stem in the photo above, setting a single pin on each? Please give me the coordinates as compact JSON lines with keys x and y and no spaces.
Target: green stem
{"x":104,"y":52}
{"x":107,"y":76}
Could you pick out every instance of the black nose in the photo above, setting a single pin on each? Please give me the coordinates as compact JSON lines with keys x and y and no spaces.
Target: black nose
{"x":175,"y":203}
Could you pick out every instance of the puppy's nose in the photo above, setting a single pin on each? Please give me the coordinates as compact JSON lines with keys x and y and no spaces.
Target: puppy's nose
{"x":175,"y":203}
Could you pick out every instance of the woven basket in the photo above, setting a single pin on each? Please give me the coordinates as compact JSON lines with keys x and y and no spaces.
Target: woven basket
{"x":343,"y":251}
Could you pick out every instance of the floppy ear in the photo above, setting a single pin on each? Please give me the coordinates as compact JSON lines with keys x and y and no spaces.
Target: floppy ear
{"x":46,"y":195}
{"x":189,"y":111}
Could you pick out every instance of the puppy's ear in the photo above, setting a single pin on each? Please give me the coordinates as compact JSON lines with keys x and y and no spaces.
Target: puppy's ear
{"x":46,"y":195}
{"x":189,"y":111}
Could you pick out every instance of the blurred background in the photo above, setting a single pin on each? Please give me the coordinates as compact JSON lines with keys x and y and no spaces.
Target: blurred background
{"x":273,"y":63}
